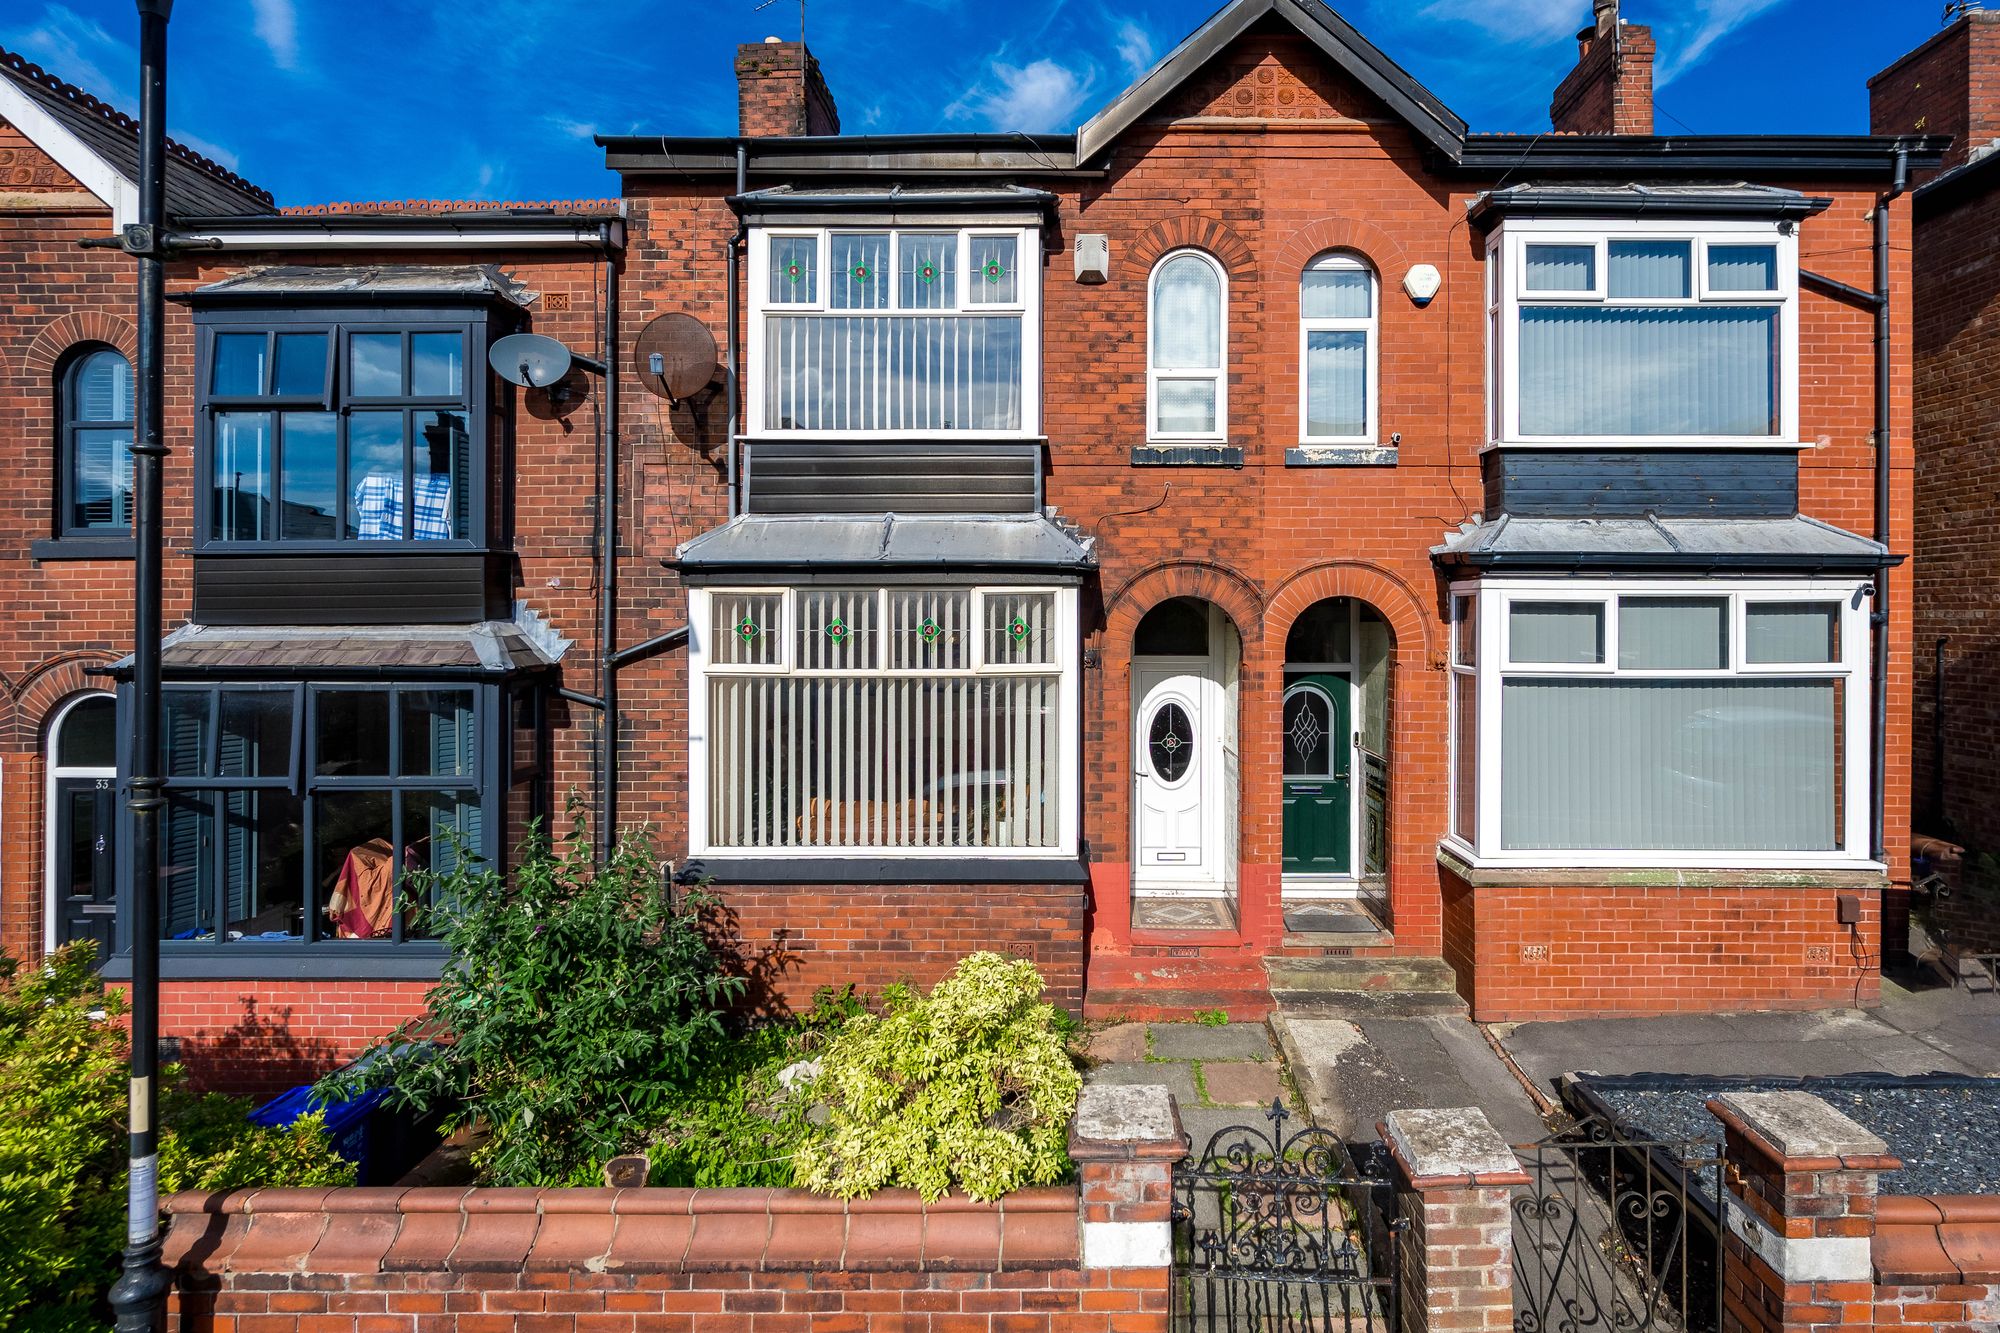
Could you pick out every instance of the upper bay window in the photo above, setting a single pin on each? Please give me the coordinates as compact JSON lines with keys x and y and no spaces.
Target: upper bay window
{"x":340,"y":430}
{"x":1629,"y":333}
{"x":894,"y":331}
{"x":907,"y":720}
{"x":1660,"y":722}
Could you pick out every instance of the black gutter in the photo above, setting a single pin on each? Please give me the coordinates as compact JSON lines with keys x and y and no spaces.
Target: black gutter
{"x":894,"y":200}
{"x":1560,"y":562}
{"x":724,"y":145}
{"x":1487,"y":209}
{"x":1702,"y":154}
{"x":584,"y":223}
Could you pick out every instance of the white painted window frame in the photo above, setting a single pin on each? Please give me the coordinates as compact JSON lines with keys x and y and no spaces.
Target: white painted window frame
{"x":1027,"y":306}
{"x":1066,"y":670}
{"x":1370,"y":327}
{"x":1492,"y":598}
{"x":1218,"y":376}
{"x":54,"y":772}
{"x":1507,"y":293}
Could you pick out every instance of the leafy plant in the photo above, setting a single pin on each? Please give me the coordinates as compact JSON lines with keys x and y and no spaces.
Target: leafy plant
{"x":577,"y":999}
{"x":739,"y":1123}
{"x":970,"y":1086}
{"x":1212,"y":1018}
{"x":63,"y":1056}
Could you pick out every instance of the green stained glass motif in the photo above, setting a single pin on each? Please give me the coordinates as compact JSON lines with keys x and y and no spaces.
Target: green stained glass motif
{"x":1018,"y":630}
{"x":836,"y":629}
{"x":930,"y":630}
{"x":994,"y":270}
{"x":747,"y":629}
{"x":861,"y":272}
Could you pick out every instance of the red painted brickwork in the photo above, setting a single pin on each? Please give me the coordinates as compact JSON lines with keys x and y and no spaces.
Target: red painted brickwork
{"x":1949,"y":85}
{"x":1536,"y":951}
{"x":26,"y":169}
{"x":1611,"y":89}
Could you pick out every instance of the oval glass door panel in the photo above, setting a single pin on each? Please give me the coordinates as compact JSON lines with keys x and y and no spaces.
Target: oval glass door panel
{"x":1170,"y":742}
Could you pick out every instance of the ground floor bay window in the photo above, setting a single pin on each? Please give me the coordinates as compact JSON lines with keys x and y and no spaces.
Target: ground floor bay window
{"x":915,"y":720}
{"x":1660,"y":722}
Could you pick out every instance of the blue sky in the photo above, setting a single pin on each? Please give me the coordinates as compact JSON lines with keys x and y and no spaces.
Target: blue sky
{"x":388,"y":99}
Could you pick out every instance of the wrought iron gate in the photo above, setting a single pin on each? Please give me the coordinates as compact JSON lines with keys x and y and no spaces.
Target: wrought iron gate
{"x":1280,"y":1231}
{"x":1618,"y":1232}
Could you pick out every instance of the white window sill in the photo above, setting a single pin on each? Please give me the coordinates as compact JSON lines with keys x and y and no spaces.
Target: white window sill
{"x":1682,"y":442}
{"x":1659,"y":869}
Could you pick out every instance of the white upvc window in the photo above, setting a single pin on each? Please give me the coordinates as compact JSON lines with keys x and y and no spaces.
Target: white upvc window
{"x":1634,"y":333}
{"x":1338,"y":357}
{"x":1660,"y":722}
{"x":1187,"y":348}
{"x":914,"y":720}
{"x":863,"y":332}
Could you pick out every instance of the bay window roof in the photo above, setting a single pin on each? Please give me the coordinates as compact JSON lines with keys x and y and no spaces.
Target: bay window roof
{"x":401,"y":282}
{"x":1797,"y":544}
{"x":888,"y":204}
{"x":785,"y":542}
{"x":488,"y":648}
{"x":1638,"y":200}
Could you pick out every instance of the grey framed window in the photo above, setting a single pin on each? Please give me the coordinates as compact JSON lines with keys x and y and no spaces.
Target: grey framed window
{"x":94,"y":464}
{"x":343,"y":430}
{"x":304,"y":816}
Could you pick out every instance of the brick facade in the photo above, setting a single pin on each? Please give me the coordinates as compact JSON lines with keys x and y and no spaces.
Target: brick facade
{"x":1267,"y":157}
{"x":1951,"y":85}
{"x":1611,"y":89}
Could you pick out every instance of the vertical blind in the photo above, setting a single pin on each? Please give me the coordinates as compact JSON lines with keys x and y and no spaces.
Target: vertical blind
{"x":911,"y":718}
{"x":1669,"y":765}
{"x":1637,"y":370}
{"x":893,"y":372}
{"x":100,"y":456}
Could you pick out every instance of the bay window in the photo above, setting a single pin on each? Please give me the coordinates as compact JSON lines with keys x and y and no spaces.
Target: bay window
{"x":1660,"y":723}
{"x":918,"y":719}
{"x":1640,"y":334}
{"x":305,"y":815}
{"x":340,"y":430}
{"x":883,"y":330}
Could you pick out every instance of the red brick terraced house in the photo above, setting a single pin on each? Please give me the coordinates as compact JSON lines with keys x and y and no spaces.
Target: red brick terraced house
{"x":1273,"y":522}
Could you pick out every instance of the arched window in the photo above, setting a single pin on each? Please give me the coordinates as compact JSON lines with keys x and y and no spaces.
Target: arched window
{"x":1186,"y":387}
{"x":95,"y":464}
{"x":1337,"y":337}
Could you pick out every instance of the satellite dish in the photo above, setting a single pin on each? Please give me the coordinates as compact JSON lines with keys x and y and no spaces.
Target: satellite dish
{"x":529,"y":360}
{"x":675,"y":356}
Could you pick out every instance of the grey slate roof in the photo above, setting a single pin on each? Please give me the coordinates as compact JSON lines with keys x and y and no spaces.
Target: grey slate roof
{"x":388,"y":280}
{"x":928,"y":541}
{"x":492,"y":647}
{"x":1642,"y":200}
{"x":1796,"y":544}
{"x":196,"y":187}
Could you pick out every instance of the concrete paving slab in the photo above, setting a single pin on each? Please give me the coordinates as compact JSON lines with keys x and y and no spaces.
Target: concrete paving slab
{"x":1196,"y":1041}
{"x":1126,"y":1042}
{"x":1203,"y":1123}
{"x":1176,"y":1078}
{"x":1354,"y":1073}
{"x":1240,"y":1082}
{"x":1913,"y":1032}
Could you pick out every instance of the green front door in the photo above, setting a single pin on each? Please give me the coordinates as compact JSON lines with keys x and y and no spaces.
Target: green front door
{"x":1319,"y":748}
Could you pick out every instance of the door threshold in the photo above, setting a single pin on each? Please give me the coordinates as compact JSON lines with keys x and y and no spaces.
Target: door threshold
{"x":1155,"y":912}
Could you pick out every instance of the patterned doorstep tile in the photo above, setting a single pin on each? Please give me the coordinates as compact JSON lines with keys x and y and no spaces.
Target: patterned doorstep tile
{"x":1183,"y":914}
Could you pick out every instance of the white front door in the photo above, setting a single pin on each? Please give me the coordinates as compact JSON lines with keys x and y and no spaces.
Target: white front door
{"x":1178,"y":777}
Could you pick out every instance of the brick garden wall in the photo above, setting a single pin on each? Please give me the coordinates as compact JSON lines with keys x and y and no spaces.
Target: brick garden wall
{"x":1570,"y":945}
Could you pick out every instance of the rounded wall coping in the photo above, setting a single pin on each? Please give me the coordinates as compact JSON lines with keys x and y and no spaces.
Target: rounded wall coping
{"x":650,"y":1199}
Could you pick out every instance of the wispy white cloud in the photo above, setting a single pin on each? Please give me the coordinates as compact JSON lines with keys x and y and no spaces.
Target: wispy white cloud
{"x":1040,"y":96}
{"x":276,"y":23}
{"x":1135,"y":48}
{"x":74,"y":48}
{"x":1516,"y":22}
{"x":570,"y":127}
{"x":1686,"y":41}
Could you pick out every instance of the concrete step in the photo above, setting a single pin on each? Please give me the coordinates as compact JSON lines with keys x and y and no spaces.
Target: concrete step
{"x":1334,"y":975}
{"x":1161,"y":1004}
{"x":1359,"y":1006}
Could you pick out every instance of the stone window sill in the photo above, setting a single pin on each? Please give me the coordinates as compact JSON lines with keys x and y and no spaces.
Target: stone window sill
{"x":1861,"y":879}
{"x":82,"y":548}
{"x":1341,"y":455}
{"x":1187,"y":455}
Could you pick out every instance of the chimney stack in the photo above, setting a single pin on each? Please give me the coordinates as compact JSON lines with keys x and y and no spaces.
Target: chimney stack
{"x":1611,"y":89}
{"x":779,"y":91}
{"x":1949,"y":85}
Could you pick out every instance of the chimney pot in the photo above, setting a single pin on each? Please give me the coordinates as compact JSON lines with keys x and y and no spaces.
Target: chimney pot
{"x":773,"y":41}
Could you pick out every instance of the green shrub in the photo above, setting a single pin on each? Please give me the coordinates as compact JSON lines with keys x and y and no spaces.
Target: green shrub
{"x":970,"y":1086}
{"x":63,"y":1059}
{"x":577,"y":998}
{"x":737,"y":1124}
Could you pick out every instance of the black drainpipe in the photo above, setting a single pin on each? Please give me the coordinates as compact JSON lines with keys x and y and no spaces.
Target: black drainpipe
{"x":611,"y":238}
{"x":1940,"y":820}
{"x":731,"y":356}
{"x":1879,"y":741}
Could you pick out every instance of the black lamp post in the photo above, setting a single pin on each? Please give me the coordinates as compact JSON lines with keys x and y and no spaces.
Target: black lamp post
{"x":139,"y":1295}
